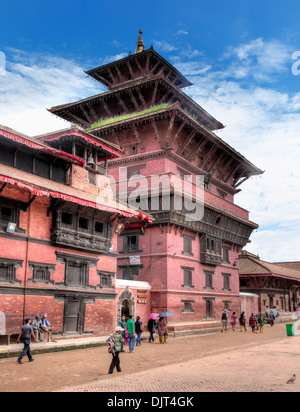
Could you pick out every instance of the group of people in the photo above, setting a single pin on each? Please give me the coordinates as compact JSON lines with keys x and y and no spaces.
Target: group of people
{"x":34,"y":329}
{"x":256,"y":323}
{"x":125,"y":335}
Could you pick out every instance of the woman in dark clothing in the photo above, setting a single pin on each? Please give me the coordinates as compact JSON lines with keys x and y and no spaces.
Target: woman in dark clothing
{"x":151,"y":329}
{"x":138,"y":330}
{"x":242,"y":321}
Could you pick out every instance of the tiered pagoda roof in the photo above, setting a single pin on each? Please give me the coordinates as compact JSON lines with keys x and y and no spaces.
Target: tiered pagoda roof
{"x":144,"y":87}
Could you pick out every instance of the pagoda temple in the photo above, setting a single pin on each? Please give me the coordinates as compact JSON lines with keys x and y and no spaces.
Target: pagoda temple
{"x":191,"y":264}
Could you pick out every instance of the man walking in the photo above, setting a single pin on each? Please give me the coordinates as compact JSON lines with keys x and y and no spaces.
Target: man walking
{"x":26,"y":334}
{"x":131,"y":338}
{"x":118,"y":340}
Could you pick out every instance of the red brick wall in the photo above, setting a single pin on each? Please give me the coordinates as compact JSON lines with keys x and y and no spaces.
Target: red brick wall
{"x":99,"y":316}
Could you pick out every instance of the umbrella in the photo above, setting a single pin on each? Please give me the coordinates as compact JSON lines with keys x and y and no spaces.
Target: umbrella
{"x":166,"y":314}
{"x":154,"y":316}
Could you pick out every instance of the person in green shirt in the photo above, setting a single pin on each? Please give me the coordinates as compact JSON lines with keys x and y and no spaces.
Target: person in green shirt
{"x":131,"y":337}
{"x":261,"y":321}
{"x":115,"y":363}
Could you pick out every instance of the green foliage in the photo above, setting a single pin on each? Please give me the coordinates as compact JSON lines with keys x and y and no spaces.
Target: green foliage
{"x":109,"y":120}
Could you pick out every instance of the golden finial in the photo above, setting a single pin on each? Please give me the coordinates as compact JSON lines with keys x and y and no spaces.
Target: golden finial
{"x":140,"y":46}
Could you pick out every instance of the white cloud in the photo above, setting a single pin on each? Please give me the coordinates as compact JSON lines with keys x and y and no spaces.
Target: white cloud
{"x":182,"y":32}
{"x":258,"y":59}
{"x":164,"y":46}
{"x":263,"y":124}
{"x":34,"y":82}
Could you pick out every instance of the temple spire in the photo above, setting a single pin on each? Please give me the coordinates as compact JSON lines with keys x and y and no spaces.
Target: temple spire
{"x":140,"y":46}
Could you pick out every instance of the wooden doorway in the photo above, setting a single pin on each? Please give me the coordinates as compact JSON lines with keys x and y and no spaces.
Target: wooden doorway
{"x":74,"y":315}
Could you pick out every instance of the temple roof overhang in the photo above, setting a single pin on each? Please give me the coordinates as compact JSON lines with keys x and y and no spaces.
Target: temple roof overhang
{"x":110,"y":150}
{"x":77,"y":112}
{"x":22,"y":139}
{"x":249,"y":168}
{"x":141,"y":61}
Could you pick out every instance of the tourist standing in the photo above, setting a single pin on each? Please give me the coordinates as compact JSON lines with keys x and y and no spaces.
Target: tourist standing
{"x":224,"y":320}
{"x":272,"y":318}
{"x":261,"y":322}
{"x":118,"y":340}
{"x":242,"y":321}
{"x":253,"y":323}
{"x":131,"y":338}
{"x":138,"y":330}
{"x":233,"y":321}
{"x":26,"y":334}
{"x":162,"y":330}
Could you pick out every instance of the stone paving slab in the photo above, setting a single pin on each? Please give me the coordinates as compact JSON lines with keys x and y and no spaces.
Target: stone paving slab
{"x":264,"y":368}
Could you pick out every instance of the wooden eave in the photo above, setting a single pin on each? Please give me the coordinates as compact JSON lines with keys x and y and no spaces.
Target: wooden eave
{"x":184,"y":116}
{"x":66,"y":133}
{"x":99,"y":72}
{"x":62,"y":110}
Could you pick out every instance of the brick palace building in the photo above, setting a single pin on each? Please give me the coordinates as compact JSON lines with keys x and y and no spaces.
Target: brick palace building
{"x":58,"y":225}
{"x":191,"y":265}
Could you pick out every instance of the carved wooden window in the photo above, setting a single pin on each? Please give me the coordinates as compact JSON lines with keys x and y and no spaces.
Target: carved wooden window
{"x":77,"y":269}
{"x":24,"y":161}
{"x":188,"y":246}
{"x":42,"y":167}
{"x":83,"y":224}
{"x":74,"y":273}
{"x":7,"y":154}
{"x":41,"y":272}
{"x":208,"y":279}
{"x":106,"y":279}
{"x":66,"y":219}
{"x":130,"y":273}
{"x":188,"y":306}
{"x":227,"y":305}
{"x":226,"y":277}
{"x":131,"y":244}
{"x":8,"y":270}
{"x":187,"y":277}
{"x":226,"y":251}
{"x":213,"y":245}
{"x":209,"y":308}
{"x":99,"y":228}
{"x":29,"y":161}
{"x":9,"y":213}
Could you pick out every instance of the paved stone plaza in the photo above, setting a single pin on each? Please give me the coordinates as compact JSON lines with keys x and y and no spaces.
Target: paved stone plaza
{"x":256,"y":369}
{"x":216,"y":362}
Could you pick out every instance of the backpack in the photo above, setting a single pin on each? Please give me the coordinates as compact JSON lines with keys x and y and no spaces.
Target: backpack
{"x":111,"y":344}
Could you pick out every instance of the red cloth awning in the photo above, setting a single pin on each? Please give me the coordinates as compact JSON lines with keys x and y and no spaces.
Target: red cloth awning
{"x":38,"y":146}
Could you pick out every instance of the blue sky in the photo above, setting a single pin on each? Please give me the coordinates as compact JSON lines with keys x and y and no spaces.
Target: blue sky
{"x":238,"y":54}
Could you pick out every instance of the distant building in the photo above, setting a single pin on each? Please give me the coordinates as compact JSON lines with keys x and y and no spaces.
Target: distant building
{"x":276,"y":284}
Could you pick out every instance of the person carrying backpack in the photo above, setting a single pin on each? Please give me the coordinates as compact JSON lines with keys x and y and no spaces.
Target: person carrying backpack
{"x":114,"y":343}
